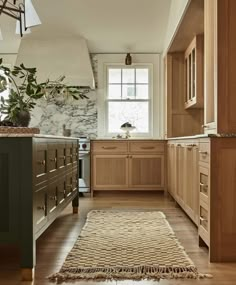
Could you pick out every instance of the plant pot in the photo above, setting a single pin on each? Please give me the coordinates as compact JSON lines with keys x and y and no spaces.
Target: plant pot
{"x":23,"y":119}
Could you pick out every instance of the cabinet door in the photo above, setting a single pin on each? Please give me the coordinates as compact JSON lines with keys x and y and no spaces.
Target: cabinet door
{"x":109,"y":172}
{"x":146,"y":171}
{"x":40,"y":161}
{"x":172,"y":169}
{"x":191,"y":194}
{"x":180,"y":174}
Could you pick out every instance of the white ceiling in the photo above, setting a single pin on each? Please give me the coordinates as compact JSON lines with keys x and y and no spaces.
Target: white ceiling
{"x":109,"y":26}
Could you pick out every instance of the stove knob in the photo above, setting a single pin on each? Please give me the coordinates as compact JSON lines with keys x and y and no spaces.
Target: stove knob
{"x":84,"y":145}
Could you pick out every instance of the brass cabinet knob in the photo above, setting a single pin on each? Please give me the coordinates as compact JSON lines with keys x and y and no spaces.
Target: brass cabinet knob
{"x":54,"y":198}
{"x":41,"y":208}
{"x":42,"y":162}
{"x":203,"y":152}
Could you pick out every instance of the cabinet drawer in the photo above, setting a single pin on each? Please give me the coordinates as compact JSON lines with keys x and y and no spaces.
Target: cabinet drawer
{"x":52,"y":159}
{"x":203,"y":228}
{"x":52,"y":198}
{"x":204,"y":184}
{"x":147,"y":147}
{"x":204,"y":151}
{"x":40,"y":209}
{"x":61,"y":191}
{"x":110,"y":147}
{"x":40,"y":163}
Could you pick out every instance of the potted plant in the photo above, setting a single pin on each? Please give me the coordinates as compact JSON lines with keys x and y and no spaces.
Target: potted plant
{"x":24,"y":91}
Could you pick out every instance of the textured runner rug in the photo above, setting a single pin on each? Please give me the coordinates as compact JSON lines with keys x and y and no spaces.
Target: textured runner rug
{"x":126,"y":245}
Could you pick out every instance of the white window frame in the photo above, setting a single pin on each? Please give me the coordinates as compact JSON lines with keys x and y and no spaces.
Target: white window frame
{"x":150,"y":99}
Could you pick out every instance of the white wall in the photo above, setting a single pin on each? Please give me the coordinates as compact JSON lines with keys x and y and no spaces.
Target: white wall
{"x":158,"y":109}
{"x":177,"y":9}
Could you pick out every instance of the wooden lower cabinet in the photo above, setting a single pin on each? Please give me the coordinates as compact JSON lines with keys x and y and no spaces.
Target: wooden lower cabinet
{"x":128,"y":165}
{"x":183,"y":175}
{"x":146,"y":171}
{"x":110,"y":172}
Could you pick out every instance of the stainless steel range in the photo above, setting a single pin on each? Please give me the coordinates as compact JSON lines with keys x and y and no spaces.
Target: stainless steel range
{"x":84,"y":164}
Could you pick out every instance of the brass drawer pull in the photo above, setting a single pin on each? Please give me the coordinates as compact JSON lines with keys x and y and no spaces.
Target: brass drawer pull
{"x":203,"y":152}
{"x":41,"y":208}
{"x":109,"y":147}
{"x":205,"y":126}
{"x":202,"y":219}
{"x":53,"y":159}
{"x":203,"y":185}
{"x":62,"y":157}
{"x":42,"y":162}
{"x":54,"y":198}
{"x":147,"y":147}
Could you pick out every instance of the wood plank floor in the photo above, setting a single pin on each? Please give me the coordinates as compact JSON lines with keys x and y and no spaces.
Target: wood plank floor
{"x":55,"y":243}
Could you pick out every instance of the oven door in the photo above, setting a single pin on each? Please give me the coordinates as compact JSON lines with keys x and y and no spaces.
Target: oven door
{"x":84,"y":172}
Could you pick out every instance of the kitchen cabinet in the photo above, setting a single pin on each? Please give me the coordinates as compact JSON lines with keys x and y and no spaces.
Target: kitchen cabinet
{"x":128,"y":165}
{"x":183,"y":164}
{"x":194,"y":73}
{"x":38,"y":178}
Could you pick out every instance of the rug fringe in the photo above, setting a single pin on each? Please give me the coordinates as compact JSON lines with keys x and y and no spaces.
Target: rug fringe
{"x":134,"y":273}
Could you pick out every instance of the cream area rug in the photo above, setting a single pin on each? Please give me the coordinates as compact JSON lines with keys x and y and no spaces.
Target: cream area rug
{"x":126,"y":245}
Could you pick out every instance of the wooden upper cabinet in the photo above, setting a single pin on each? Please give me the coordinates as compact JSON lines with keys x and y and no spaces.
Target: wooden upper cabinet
{"x":194,"y":73}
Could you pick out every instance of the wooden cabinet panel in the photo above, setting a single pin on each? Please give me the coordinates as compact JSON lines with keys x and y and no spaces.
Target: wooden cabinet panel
{"x":61,"y":156}
{"x":52,"y":159}
{"x":69,"y":154}
{"x":183,"y":169}
{"x":204,"y":152}
{"x":204,"y":188}
{"x":52,"y":198}
{"x":110,"y":172}
{"x":146,"y":171}
{"x":61,"y":190}
{"x":172,"y":169}
{"x":40,"y":162}
{"x":40,"y":209}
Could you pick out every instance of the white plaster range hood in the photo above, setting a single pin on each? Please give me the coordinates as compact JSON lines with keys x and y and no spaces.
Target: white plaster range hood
{"x":56,"y":57}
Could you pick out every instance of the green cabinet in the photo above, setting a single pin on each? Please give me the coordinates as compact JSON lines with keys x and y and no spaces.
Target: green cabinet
{"x":38,"y":179}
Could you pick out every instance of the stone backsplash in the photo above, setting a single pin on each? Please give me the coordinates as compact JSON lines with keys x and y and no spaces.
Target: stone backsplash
{"x":78,"y":115}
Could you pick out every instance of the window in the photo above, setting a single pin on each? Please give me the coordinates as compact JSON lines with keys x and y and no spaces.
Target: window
{"x":128,"y":99}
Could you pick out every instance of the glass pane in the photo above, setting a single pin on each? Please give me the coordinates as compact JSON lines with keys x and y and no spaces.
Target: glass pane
{"x":128,"y":75}
{"x":114,"y":75}
{"x":128,"y":92}
{"x":142,"y":92}
{"x":142,"y":75}
{"x":114,"y":91}
{"x":136,"y":113}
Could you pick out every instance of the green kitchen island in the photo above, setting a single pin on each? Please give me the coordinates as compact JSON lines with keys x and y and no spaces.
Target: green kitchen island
{"x":38,"y":179}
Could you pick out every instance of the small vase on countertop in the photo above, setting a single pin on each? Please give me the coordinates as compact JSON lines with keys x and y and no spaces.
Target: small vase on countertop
{"x":66,"y":132}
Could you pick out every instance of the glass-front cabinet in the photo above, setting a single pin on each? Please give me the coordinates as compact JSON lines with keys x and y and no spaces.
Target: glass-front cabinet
{"x":194,"y":73}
